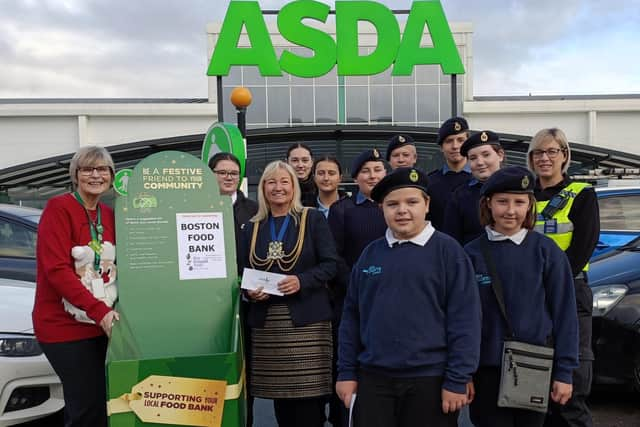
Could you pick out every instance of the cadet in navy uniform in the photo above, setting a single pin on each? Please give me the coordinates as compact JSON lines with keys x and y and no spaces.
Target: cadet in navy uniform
{"x":455,"y":171}
{"x":401,"y":152}
{"x":485,"y":155}
{"x":538,"y":296}
{"x":568,"y":214}
{"x":410,"y":333}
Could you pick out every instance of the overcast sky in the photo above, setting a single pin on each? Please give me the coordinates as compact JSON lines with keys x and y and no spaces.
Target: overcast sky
{"x":158,"y":48}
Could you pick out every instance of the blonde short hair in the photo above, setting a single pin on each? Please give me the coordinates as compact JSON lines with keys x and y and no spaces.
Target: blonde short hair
{"x":545,"y":135}
{"x":295,"y":207}
{"x":90,"y":155}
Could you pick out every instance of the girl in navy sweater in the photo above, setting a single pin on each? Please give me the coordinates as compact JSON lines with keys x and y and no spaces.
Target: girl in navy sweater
{"x":538,"y":292}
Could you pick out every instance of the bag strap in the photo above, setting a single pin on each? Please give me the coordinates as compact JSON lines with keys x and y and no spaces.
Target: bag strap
{"x":496,"y":283}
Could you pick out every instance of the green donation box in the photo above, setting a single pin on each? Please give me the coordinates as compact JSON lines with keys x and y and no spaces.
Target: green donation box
{"x":175,"y":357}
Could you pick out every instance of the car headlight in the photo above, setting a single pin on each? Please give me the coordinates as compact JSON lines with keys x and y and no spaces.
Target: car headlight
{"x":606,"y":297}
{"x":13,"y":345}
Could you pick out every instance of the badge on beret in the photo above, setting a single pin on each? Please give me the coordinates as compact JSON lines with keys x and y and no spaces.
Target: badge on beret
{"x":457,"y":127}
{"x":525,"y":182}
{"x":401,"y":139}
{"x":375,"y":153}
{"x":484,"y":137}
{"x":413,"y":175}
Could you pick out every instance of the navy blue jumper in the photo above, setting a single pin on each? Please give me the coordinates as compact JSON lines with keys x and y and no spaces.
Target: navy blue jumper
{"x":412,"y":311}
{"x":442,"y":183}
{"x":462,"y":215}
{"x":539,"y":298}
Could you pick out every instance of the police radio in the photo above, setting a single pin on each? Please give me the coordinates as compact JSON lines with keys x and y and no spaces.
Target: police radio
{"x":557,"y":203}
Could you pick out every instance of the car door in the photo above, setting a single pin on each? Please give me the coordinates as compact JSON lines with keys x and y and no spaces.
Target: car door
{"x":17,"y":250}
{"x":619,"y":219}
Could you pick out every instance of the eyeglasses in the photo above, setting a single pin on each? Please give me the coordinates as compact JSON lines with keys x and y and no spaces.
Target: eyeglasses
{"x":224,"y":174}
{"x":88,"y":170}
{"x":551,"y":153}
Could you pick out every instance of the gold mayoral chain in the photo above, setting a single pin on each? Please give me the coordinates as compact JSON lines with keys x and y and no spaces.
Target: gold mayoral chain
{"x":275,"y":252}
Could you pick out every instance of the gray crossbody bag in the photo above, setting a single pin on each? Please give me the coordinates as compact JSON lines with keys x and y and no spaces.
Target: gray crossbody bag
{"x":525,"y":373}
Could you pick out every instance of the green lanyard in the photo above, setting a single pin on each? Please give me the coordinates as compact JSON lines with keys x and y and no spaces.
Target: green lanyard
{"x":96,"y":230}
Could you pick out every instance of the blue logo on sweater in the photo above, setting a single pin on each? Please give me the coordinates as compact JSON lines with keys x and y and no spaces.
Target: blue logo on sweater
{"x":483,"y":280}
{"x":372,"y":270}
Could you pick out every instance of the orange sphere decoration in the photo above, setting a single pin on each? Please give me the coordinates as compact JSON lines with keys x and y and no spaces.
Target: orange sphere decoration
{"x":241,"y":97}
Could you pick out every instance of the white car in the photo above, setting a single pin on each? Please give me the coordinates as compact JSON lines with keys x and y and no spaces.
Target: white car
{"x":29,"y":388}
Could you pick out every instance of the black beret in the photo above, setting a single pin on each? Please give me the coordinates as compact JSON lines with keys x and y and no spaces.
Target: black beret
{"x":399,"y":178}
{"x":397,"y":142}
{"x":452,"y":126}
{"x":372,"y":155}
{"x":480,"y":138}
{"x":513,"y":179}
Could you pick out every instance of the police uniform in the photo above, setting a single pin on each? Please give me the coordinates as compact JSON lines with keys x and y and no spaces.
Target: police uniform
{"x":443,"y":181}
{"x":462,"y":217}
{"x":410,"y":325}
{"x":539,"y":300}
{"x":572,"y":220}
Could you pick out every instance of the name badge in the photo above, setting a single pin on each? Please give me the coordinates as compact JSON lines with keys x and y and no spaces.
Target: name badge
{"x":551,"y":226}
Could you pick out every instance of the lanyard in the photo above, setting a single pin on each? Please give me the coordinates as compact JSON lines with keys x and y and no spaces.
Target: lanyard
{"x":283,"y":229}
{"x":96,"y":231}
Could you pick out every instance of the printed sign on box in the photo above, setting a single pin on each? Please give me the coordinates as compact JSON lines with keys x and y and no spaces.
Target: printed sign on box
{"x":201,"y":245}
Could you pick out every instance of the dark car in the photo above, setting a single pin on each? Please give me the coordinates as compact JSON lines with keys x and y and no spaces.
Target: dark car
{"x":615,"y":281}
{"x":18,"y":231}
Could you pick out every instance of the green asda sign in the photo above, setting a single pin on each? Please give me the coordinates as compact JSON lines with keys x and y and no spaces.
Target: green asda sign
{"x":403,"y":51}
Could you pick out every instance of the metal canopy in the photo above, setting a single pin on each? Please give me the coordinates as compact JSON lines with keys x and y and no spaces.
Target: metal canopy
{"x":341,"y":140}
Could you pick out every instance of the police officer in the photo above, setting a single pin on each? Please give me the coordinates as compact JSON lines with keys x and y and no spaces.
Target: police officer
{"x":485,"y":155}
{"x":568,"y":213}
{"x":455,"y":171}
{"x":401,"y":152}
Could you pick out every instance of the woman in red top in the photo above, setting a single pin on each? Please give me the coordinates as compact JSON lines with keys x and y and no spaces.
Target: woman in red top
{"x":71,"y":324}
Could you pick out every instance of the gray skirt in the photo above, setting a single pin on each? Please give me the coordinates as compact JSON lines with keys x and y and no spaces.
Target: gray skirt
{"x":290,"y":361}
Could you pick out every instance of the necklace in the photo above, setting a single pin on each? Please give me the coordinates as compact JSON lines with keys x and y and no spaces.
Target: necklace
{"x":276,"y":245}
{"x":275,"y":252}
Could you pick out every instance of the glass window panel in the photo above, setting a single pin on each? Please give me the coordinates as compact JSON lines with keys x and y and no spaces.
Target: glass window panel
{"x":445,"y":102}
{"x":428,"y":104}
{"x":257,"y":111}
{"x":384,"y":78}
{"x":357,"y":104}
{"x":301,"y":104}
{"x":404,"y":80}
{"x":331,"y":78}
{"x":16,"y":240}
{"x":301,"y":81}
{"x":381,"y":103}
{"x":427,"y":74}
{"x":620,"y":213}
{"x":326,"y":104}
{"x":278,"y":103}
{"x":356,"y":80}
{"x":252,"y":77}
{"x":234,"y":78}
{"x":278,"y":81}
{"x":404,"y":108}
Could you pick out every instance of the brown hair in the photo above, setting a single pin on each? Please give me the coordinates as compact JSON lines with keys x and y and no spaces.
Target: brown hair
{"x":487,"y":219}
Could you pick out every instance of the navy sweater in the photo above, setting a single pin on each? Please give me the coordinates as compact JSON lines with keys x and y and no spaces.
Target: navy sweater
{"x":462,"y":215}
{"x":539,"y":298}
{"x":441,"y":186}
{"x":412,"y":311}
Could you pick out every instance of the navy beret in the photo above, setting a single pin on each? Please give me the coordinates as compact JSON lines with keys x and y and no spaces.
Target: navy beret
{"x":399,"y":178}
{"x":480,"y":138}
{"x":372,"y":155}
{"x":452,"y":126}
{"x":397,"y":142}
{"x":513,"y":179}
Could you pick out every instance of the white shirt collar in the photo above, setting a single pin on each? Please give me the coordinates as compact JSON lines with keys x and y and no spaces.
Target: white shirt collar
{"x":234,"y":197}
{"x":421,"y":239}
{"x":495,"y":236}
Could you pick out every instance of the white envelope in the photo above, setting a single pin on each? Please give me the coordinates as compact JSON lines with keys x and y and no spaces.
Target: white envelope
{"x":253,"y":279}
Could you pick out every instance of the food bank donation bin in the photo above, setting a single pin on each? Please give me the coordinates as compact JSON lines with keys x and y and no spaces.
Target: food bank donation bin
{"x":175,"y":357}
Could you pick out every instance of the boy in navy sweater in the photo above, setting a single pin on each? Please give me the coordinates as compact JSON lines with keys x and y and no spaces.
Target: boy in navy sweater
{"x":410,"y":334}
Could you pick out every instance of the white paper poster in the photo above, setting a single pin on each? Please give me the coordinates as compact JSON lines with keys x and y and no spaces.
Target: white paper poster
{"x":201,"y":252}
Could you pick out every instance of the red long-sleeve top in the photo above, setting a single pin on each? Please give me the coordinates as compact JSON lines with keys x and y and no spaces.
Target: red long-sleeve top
{"x":63,"y":225}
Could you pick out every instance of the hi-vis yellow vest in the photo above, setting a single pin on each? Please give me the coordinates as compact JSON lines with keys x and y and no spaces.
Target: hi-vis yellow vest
{"x":560,"y":228}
